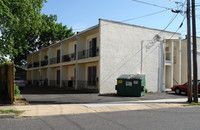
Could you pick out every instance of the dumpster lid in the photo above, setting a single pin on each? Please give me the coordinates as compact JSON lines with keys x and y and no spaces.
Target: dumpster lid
{"x":131,"y":76}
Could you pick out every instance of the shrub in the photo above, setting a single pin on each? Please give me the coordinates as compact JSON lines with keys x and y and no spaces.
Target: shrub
{"x":17,"y":91}
{"x":146,"y":90}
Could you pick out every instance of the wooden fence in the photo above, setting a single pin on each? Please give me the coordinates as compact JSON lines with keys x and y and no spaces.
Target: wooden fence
{"x":7,"y":82}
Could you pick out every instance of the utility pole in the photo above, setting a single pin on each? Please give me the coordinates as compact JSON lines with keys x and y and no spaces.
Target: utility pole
{"x":189,"y":89}
{"x":195,"y":83}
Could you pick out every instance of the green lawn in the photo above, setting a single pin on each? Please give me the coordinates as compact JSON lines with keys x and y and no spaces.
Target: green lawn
{"x":192,"y":104}
{"x":10,"y":111}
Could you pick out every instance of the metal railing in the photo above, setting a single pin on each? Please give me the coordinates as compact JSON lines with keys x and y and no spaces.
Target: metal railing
{"x":168,"y":56}
{"x":43,"y":82}
{"x":35,"y":64}
{"x":29,"y":82}
{"x":29,"y":65}
{"x":54,"y":60}
{"x":68,"y":83}
{"x":69,"y":57}
{"x":88,"y":53}
{"x":36,"y":82}
{"x":44,"y":62}
{"x":87,"y":84}
{"x":54,"y":83}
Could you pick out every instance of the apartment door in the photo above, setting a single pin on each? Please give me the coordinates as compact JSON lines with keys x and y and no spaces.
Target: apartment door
{"x":58,"y":77}
{"x":92,"y":47}
{"x":92,"y":75}
{"x":58,"y":56}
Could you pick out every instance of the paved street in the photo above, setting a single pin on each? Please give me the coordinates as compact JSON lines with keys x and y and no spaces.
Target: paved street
{"x":185,"y":118}
{"x":62,"y":96}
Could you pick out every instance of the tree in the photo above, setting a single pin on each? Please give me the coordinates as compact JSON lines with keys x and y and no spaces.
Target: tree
{"x":25,"y":30}
{"x":17,"y":17}
{"x":49,"y":33}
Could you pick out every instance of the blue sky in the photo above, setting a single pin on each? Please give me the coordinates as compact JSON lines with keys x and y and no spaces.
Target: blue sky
{"x":81,"y":14}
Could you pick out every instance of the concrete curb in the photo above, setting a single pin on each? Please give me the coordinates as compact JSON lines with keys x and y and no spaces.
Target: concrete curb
{"x":7,"y":116}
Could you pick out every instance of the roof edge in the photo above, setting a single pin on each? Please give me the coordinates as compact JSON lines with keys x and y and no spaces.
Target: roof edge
{"x":136,"y":26}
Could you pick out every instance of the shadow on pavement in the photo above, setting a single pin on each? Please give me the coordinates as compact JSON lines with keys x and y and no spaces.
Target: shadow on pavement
{"x":53,"y":95}
{"x":49,"y":90}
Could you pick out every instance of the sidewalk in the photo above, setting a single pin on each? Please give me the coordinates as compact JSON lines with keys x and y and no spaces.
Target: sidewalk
{"x":64,"y":109}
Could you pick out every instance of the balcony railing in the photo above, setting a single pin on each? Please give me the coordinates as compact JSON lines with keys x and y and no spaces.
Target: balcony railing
{"x":88,"y":53}
{"x":36,"y":82}
{"x":54,"y":82}
{"x":69,"y":57}
{"x":44,"y":62}
{"x":35,"y":64}
{"x":68,"y":83}
{"x":54,"y":60}
{"x":87,"y":84}
{"x":29,"y":82}
{"x":29,"y":65}
{"x":168,"y":56}
{"x":43,"y":82}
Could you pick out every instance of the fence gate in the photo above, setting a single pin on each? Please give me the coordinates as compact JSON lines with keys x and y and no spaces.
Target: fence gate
{"x":7,"y":82}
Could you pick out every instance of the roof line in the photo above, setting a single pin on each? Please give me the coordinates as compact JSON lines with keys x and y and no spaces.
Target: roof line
{"x":137,"y":26}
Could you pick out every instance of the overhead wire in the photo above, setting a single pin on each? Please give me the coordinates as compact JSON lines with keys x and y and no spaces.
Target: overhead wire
{"x":152,"y":4}
{"x":176,"y":2}
{"x":179,"y":27}
{"x":130,"y":19}
{"x":172,"y":19}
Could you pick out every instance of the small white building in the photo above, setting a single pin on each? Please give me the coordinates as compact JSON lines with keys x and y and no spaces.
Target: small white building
{"x":94,"y":58}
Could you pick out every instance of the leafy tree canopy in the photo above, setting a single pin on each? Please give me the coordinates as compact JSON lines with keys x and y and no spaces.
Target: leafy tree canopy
{"x":23,"y":29}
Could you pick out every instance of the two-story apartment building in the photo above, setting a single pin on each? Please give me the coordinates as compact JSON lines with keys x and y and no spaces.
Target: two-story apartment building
{"x":93,"y":59}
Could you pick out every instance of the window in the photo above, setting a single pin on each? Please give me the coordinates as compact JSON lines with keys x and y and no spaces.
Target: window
{"x":92,"y":47}
{"x":58,"y":56}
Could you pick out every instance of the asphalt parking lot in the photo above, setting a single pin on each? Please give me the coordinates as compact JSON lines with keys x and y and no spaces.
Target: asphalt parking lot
{"x":44,"y":95}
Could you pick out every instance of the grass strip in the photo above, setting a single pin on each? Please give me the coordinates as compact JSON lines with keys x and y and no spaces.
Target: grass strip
{"x":10,"y":111}
{"x":192,"y":104}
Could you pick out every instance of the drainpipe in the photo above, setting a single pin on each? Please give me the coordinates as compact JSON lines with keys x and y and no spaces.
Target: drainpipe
{"x":76,"y":65}
{"x":162,"y":66}
{"x":142,"y":42}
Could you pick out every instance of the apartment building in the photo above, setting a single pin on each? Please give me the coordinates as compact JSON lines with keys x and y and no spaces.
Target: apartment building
{"x":92,"y":59}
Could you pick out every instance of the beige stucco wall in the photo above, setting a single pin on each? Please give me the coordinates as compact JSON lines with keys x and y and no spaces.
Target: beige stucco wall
{"x":29,"y":59}
{"x":70,"y":73}
{"x":36,"y":74}
{"x":36,"y":57}
{"x":43,"y":54}
{"x":96,"y":35}
{"x":168,"y":77}
{"x":184,"y":61}
{"x":120,"y":53}
{"x":176,"y":63}
{"x":53,"y":51}
{"x":68,"y":47}
{"x":44,"y":74}
{"x":29,"y":74}
{"x":52,"y":72}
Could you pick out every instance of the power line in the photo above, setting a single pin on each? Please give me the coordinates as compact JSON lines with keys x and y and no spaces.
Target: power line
{"x":152,"y":4}
{"x":143,"y":16}
{"x":173,"y":18}
{"x":179,"y":27}
{"x":147,"y":15}
{"x":176,"y":2}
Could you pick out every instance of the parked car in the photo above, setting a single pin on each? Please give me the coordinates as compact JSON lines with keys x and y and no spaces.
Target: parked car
{"x":183,"y":88}
{"x":20,"y":82}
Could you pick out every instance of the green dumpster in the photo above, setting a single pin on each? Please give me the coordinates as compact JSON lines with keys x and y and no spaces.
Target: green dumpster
{"x":131,"y":85}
